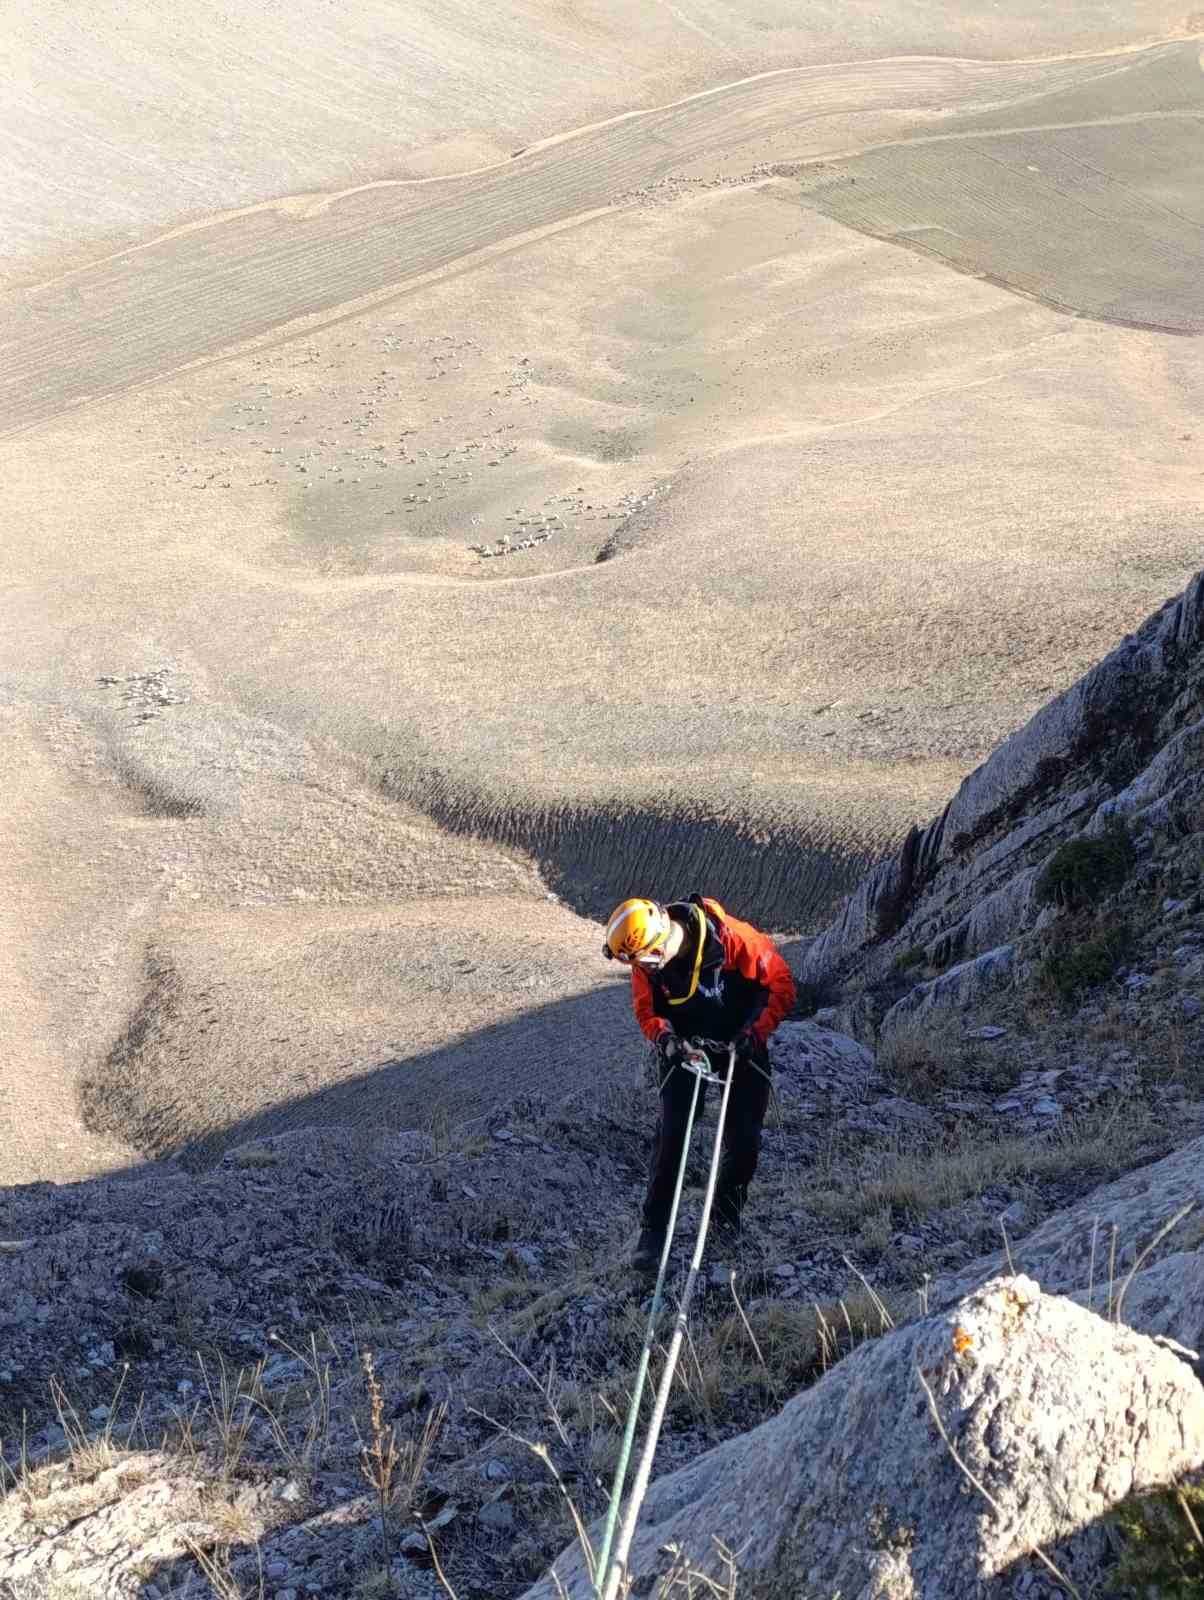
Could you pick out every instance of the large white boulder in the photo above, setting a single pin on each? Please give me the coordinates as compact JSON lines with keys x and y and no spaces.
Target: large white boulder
{"x":851,"y":1489}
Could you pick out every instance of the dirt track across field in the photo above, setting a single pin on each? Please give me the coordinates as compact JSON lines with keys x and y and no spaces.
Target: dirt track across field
{"x":167,"y":118}
{"x":166,"y":306}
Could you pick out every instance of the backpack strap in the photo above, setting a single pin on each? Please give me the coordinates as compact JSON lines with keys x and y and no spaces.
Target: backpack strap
{"x":701,"y":920}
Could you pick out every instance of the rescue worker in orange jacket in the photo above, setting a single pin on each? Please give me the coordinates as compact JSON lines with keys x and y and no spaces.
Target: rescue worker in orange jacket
{"x":698,"y":973}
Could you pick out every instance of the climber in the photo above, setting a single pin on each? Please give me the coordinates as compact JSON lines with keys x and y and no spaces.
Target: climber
{"x":698,"y":973}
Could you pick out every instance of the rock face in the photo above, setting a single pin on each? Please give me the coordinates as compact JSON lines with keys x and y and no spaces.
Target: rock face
{"x":144,"y":1503}
{"x":960,"y":986}
{"x":824,"y":1062}
{"x":1057,"y":1413}
{"x":1074,"y":1253}
{"x":1165,"y":1301}
{"x":1126,"y":738}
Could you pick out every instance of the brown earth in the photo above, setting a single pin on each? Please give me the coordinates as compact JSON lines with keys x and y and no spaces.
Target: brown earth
{"x":786,"y":526}
{"x":160,"y":122}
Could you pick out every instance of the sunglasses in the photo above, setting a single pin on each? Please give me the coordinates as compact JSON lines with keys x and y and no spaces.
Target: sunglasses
{"x":650,"y":960}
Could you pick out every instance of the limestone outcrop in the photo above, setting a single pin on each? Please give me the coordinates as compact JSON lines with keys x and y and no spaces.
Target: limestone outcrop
{"x":1125,"y":739}
{"x":1132,"y":1249}
{"x":851,"y":1489}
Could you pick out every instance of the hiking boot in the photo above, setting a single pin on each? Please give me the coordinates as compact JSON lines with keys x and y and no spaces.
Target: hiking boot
{"x":646,"y":1257}
{"x":726,"y":1229}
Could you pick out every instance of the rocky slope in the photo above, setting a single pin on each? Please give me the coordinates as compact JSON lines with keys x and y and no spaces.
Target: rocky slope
{"x":1122,"y":743}
{"x":1056,"y":1414}
{"x":1006,"y":1079}
{"x":184,"y":1369}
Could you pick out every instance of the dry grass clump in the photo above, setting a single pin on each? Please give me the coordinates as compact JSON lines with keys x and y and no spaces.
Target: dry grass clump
{"x":57,"y":1491}
{"x":233,"y":1522}
{"x":876,"y":1232}
{"x":741,"y":1365}
{"x":922,"y":1175}
{"x":920,"y":1053}
{"x":503,"y":1294}
{"x":778,"y":1347}
{"x":224,"y":1429}
{"x":685,"y":1580}
{"x":1161,"y":1047}
{"x":926,"y":1054}
{"x":215,"y":1563}
{"x":543,"y":1310}
{"x":233,"y":1405}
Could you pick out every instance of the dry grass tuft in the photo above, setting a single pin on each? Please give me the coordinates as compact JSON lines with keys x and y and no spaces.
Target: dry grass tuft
{"x":231,"y":1521}
{"x":749,"y":1362}
{"x":393,"y":1466}
{"x":918,"y":1176}
{"x":927,"y":1054}
{"x":214,"y":1563}
{"x":232,"y":1409}
{"x":685,"y":1579}
{"x":919,"y":1052}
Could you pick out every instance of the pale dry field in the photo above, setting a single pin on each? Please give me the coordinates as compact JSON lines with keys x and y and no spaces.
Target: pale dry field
{"x":396,"y":573}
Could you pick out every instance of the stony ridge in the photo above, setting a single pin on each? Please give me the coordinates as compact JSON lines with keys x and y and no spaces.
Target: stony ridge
{"x":961,"y":886}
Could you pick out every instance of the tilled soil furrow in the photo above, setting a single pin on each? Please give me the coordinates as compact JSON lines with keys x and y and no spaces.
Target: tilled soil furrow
{"x":187,"y":298}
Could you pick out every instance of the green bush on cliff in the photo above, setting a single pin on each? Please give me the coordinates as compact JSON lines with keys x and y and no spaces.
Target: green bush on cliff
{"x":906,"y":959}
{"x":1085,"y":870}
{"x":1081,"y":954}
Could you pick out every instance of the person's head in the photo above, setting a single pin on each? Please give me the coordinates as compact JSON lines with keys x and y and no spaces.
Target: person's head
{"x":638,"y":933}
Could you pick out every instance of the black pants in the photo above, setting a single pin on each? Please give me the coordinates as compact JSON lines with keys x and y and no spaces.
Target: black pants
{"x":741,"y":1136}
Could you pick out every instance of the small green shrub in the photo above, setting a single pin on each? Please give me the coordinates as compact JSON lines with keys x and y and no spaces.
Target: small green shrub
{"x":1083,"y":871}
{"x":911,"y":957}
{"x":1164,"y":1548}
{"x":1083,"y":955}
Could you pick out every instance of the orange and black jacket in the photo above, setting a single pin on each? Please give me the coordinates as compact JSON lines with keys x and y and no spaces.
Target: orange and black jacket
{"x":727,"y":976}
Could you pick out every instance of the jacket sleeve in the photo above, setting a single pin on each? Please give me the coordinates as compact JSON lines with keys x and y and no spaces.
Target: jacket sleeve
{"x":651,"y":1026}
{"x":753,"y":954}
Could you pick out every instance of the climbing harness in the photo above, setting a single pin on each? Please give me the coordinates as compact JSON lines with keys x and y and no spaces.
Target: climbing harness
{"x":612,"y":1558}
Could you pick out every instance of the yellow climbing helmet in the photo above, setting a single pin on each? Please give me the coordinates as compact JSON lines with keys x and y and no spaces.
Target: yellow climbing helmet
{"x":636,"y":931}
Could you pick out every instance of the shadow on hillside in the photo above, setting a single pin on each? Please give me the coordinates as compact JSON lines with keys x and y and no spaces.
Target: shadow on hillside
{"x":782,"y":870}
{"x":571,"y":1044}
{"x":552,"y":1051}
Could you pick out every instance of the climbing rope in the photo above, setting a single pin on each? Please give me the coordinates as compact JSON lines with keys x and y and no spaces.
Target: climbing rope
{"x":612,"y":1562}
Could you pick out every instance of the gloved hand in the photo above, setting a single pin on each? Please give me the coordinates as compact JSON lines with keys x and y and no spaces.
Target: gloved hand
{"x":747,"y":1045}
{"x":670,"y":1048}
